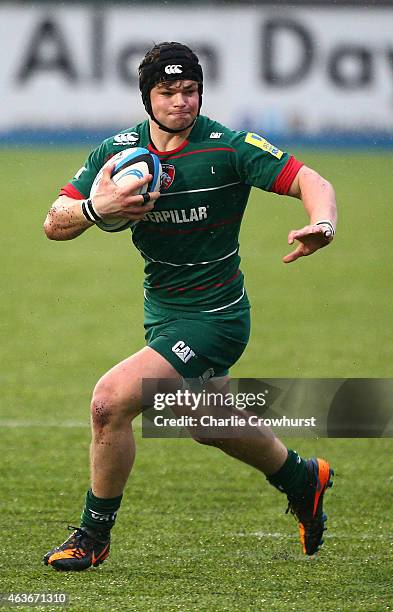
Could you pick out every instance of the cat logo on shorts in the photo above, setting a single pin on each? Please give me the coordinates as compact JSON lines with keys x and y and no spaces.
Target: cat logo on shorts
{"x":183,"y":351}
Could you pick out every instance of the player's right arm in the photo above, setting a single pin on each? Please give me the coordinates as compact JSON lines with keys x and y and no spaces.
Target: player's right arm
{"x":65,"y":219}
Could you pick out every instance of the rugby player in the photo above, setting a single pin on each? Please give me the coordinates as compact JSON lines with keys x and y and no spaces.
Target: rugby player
{"x":196,"y":308}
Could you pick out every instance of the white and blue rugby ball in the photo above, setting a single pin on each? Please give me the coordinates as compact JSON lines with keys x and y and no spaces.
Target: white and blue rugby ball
{"x":131,"y":163}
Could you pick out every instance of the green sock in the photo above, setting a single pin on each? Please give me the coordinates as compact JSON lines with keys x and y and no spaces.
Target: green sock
{"x":100,"y":513}
{"x":292,"y":476}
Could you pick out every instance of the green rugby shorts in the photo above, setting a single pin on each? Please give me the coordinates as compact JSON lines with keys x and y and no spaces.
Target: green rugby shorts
{"x":198,"y":344}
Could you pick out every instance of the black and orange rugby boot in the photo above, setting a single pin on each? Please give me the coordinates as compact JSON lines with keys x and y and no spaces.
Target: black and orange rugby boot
{"x":83,"y":549}
{"x":308,"y":509}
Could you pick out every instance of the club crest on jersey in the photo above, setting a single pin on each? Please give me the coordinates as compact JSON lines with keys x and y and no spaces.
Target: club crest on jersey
{"x":167,"y":176}
{"x":262,"y":143}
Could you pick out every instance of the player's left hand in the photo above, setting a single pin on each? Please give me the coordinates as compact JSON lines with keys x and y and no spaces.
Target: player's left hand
{"x":311,"y":238}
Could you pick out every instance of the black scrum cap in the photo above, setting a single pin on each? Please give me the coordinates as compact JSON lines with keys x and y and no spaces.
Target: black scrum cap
{"x":168,"y":61}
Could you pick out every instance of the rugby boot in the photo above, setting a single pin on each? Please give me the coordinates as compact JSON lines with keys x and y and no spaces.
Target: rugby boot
{"x":308,"y":509}
{"x":83,"y":549}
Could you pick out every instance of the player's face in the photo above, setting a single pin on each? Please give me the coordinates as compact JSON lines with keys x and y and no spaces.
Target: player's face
{"x":175,"y":104}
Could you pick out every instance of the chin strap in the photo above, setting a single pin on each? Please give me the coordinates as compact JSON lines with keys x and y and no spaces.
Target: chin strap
{"x":164,"y":128}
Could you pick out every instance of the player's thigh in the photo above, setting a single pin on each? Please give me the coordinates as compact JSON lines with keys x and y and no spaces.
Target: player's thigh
{"x":121,"y":387}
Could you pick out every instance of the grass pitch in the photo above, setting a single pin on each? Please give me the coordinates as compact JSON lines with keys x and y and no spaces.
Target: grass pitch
{"x":197,"y":530}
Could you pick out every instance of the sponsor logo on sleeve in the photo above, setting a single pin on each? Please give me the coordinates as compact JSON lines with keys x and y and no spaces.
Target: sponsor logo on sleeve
{"x":130,"y":138}
{"x":216,"y":135}
{"x":261,"y":143}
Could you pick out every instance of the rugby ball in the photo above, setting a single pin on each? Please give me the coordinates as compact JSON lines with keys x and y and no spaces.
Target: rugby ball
{"x":131,"y":163}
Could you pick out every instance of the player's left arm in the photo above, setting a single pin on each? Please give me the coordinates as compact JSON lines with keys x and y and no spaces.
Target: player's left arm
{"x":319,"y":201}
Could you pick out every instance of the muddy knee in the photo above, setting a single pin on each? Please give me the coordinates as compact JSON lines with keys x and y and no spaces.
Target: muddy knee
{"x":110,"y":406}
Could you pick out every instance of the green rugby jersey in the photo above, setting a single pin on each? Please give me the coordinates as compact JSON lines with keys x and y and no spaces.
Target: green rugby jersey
{"x":190,"y":240}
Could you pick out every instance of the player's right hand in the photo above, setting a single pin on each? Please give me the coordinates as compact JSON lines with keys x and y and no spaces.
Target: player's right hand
{"x":112,"y":200}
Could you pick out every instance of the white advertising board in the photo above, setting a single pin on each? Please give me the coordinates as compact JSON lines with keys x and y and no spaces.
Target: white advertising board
{"x":308,"y":69}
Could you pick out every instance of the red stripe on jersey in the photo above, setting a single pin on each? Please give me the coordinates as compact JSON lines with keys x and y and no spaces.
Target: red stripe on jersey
{"x":71,"y":191}
{"x":204,"y":151}
{"x":190,"y":231}
{"x":286,"y":177}
{"x":166,"y":153}
{"x":204,"y":287}
{"x":182,"y":146}
{"x":228,"y":280}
